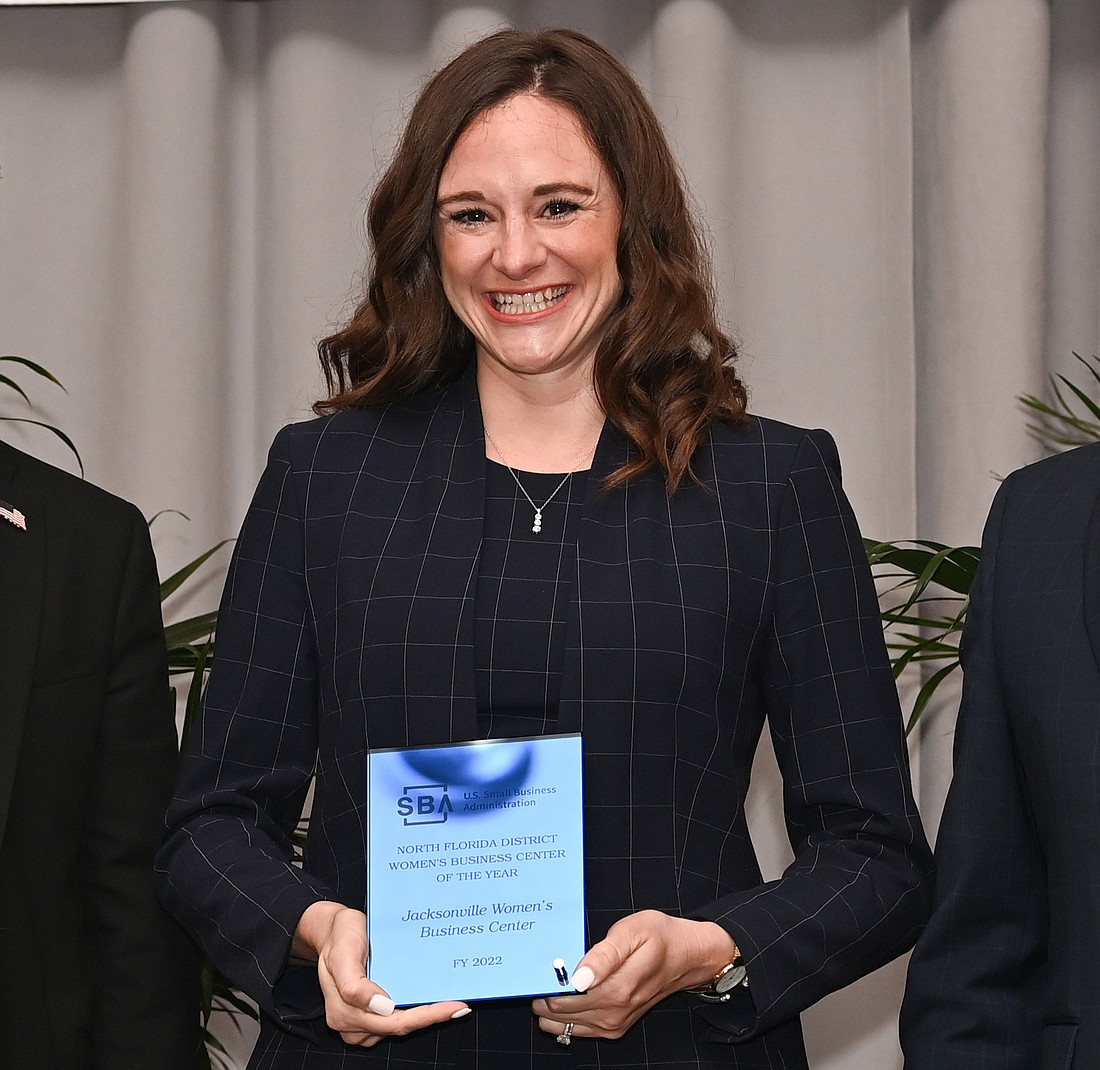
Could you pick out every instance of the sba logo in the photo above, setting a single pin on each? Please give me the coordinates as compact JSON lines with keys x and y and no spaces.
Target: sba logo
{"x":430,"y":806}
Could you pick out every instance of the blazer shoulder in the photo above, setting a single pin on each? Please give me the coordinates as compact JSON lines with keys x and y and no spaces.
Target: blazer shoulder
{"x":1078,"y":467}
{"x":778,"y":447}
{"x":60,"y":492}
{"x":768,"y":433}
{"x":1065,"y":485}
{"x":404,"y":421}
{"x":425,"y":432}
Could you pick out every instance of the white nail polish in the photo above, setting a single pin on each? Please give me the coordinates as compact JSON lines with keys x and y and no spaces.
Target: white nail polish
{"x":462,"y":1012}
{"x":381,"y":1004}
{"x":583,"y":978}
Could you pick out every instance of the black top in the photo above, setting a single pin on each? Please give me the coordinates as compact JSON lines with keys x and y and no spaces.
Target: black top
{"x":524,"y":584}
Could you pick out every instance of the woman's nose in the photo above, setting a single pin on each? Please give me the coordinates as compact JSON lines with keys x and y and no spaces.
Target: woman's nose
{"x":519,"y":251}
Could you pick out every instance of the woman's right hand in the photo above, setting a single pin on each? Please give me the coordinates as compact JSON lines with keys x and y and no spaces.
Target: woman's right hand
{"x":335,"y":937}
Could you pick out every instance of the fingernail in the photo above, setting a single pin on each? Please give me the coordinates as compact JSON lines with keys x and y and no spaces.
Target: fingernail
{"x":583,"y":978}
{"x":462,"y":1012}
{"x":381,"y":1004}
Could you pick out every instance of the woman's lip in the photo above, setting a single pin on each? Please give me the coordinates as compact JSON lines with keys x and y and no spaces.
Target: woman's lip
{"x":526,"y":316}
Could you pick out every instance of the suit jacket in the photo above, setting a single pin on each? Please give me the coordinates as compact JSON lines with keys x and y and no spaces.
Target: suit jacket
{"x":93,"y":974}
{"x":347,"y":623}
{"x":1005,"y":974}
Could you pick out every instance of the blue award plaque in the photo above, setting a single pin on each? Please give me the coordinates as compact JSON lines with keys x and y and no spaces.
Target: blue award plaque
{"x":475,"y":869}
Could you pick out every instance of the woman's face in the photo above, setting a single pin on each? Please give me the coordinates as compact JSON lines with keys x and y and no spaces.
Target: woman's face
{"x":527,"y":226}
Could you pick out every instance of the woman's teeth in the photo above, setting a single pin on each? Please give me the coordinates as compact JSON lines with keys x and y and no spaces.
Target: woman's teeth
{"x":535,"y":301}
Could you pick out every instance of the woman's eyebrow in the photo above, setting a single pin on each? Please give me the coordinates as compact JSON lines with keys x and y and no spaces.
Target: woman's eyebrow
{"x":539,"y":191}
{"x":465,"y":195}
{"x":563,"y":187}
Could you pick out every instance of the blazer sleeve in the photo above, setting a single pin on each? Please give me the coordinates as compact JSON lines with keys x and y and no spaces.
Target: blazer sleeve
{"x":973,"y":994}
{"x":145,"y":970}
{"x":857,"y":892}
{"x":225,"y":864}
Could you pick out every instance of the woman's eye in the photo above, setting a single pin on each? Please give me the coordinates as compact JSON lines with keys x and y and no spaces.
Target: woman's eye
{"x":470,"y":216}
{"x":558,"y":209}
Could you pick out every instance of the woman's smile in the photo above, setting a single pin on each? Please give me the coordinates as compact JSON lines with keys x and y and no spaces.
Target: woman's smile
{"x":510,"y":305}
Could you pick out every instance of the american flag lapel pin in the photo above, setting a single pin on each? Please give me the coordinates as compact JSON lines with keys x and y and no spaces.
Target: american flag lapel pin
{"x":13,"y":515}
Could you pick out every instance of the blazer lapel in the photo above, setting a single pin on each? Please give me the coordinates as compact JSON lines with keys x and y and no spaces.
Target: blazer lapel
{"x":449,"y":571}
{"x":417,"y":675}
{"x":22,"y":565}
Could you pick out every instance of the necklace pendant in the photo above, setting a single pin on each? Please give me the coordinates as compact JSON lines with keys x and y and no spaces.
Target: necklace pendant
{"x":536,"y":527}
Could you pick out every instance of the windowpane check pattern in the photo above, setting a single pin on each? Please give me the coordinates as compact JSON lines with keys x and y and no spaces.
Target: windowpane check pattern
{"x":349,"y":621}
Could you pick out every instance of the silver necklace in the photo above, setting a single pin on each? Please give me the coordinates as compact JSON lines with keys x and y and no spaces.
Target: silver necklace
{"x":536,"y":527}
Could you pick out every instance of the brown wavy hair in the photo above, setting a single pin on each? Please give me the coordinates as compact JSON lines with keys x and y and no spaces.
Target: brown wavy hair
{"x":663,"y":370}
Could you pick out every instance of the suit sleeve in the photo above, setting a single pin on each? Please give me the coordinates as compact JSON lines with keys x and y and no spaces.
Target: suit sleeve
{"x":145,"y":970}
{"x":973,"y":993}
{"x":857,"y":892}
{"x":225,"y":865}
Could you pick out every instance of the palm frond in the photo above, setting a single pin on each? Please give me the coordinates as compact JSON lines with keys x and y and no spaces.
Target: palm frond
{"x":924,"y":592}
{"x":1071,"y":417}
{"x":43,"y":373}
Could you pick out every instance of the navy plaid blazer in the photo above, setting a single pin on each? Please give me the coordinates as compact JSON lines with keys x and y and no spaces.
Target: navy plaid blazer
{"x":1005,"y":976}
{"x":347,"y":623}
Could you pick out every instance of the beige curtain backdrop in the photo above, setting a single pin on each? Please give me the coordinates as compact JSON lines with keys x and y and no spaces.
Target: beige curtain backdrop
{"x":901,"y":198}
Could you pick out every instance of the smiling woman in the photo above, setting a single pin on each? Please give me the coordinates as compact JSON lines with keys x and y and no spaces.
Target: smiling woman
{"x":538,"y":334}
{"x":529,"y":266}
{"x":556,"y":127}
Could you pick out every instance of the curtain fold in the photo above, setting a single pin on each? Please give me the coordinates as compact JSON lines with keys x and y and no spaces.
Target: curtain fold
{"x":1072,"y":320}
{"x":981,"y":73}
{"x":900,"y":197}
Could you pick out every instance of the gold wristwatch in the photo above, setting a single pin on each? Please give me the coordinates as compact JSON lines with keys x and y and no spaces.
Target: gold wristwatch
{"x":724,"y":982}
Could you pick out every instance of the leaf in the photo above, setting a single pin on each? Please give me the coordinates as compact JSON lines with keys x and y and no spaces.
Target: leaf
{"x":1060,"y":424}
{"x":1050,"y":436}
{"x":185,"y":632}
{"x":54,"y":430}
{"x":1089,"y":366}
{"x":927,"y":562}
{"x":298,"y":841}
{"x":215,"y":1047}
{"x":206,"y":989}
{"x":194,"y":693}
{"x":917,"y":649}
{"x":1082,"y":396}
{"x":16,"y":387}
{"x":36,"y":368}
{"x":236,"y":1007}
{"x":924,"y":629}
{"x":165,"y":512}
{"x":173,"y":583}
{"x":928,"y":689}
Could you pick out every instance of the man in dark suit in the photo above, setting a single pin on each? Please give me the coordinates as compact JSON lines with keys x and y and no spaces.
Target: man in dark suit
{"x":93,"y":975}
{"x":1005,"y":976}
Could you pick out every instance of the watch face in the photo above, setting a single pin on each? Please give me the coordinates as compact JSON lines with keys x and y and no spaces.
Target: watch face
{"x":731,"y":977}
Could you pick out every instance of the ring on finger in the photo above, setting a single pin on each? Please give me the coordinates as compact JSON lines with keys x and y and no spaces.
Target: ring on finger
{"x":565,"y":1037}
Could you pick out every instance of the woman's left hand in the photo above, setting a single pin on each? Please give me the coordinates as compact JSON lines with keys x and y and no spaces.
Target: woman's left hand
{"x":644,"y":958}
